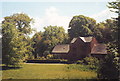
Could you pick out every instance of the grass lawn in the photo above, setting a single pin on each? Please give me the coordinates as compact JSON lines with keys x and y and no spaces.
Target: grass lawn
{"x":47,"y":71}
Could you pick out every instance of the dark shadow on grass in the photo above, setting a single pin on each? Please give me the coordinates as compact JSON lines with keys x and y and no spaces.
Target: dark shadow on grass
{"x":60,"y":80}
{"x":8,"y":68}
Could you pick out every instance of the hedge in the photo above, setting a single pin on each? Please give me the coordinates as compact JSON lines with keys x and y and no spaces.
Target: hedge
{"x":47,"y":61}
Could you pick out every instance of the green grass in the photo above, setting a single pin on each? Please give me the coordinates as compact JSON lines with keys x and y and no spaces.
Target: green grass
{"x":81,"y":67}
{"x":46,"y":71}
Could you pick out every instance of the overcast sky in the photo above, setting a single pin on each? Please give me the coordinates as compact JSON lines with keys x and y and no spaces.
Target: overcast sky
{"x":56,"y":13}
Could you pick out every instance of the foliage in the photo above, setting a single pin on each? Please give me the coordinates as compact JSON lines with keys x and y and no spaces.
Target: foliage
{"x":48,"y":59}
{"x":86,"y":64}
{"x":113,"y":49}
{"x":81,"y":26}
{"x":16,"y":43}
{"x":108,"y":68}
{"x":46,"y":53}
{"x":29,"y":48}
{"x":92,"y":62}
{"x":109,"y":31}
{"x":49,"y":56}
{"x":36,"y":39}
{"x":21,"y":21}
{"x":115,"y":6}
{"x":80,"y":62}
{"x":12,"y":44}
{"x":52,"y":36}
{"x":80,"y":67}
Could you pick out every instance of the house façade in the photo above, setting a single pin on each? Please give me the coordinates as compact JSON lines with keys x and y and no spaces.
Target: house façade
{"x":79,"y":48}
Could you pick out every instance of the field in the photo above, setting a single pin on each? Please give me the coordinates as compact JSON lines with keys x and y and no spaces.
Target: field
{"x":47,"y":71}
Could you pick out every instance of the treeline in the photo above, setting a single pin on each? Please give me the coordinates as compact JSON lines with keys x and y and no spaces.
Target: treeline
{"x":17,"y":46}
{"x":45,"y":41}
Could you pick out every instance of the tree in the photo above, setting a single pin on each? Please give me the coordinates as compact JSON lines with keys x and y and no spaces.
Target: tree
{"x":81,"y":26}
{"x":13,"y":47}
{"x":108,"y":31}
{"x":15,"y":30}
{"x":21,"y":21}
{"x":36,"y":39}
{"x":115,"y":6}
{"x":108,"y":67}
{"x":29,"y":48}
{"x":52,"y":36}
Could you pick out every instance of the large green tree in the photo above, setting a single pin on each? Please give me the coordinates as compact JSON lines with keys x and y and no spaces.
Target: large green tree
{"x":108,"y":31}
{"x":81,"y":26}
{"x":15,"y":44}
{"x":21,"y":21}
{"x":52,"y":36}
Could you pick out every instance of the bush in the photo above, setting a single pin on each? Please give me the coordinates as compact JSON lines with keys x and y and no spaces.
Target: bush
{"x":108,"y":69}
{"x":78,"y":67}
{"x":46,"y":53}
{"x":47,"y":61}
{"x":49,"y":56}
{"x":79,"y":62}
{"x":64,"y":61}
{"x":92,"y":62}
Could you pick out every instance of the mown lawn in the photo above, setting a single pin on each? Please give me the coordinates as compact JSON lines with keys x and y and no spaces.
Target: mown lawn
{"x":47,"y":71}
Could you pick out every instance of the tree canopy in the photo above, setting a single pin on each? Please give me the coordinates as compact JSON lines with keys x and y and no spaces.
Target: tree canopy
{"x":21,"y":21}
{"x":46,"y":40}
{"x":81,"y":26}
{"x":108,"y":30}
{"x":15,"y":44}
{"x":115,"y":5}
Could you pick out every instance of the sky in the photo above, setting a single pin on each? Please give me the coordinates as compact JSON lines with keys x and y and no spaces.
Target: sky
{"x":56,"y":13}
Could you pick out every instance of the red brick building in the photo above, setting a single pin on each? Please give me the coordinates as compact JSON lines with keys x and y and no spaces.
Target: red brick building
{"x":79,"y":48}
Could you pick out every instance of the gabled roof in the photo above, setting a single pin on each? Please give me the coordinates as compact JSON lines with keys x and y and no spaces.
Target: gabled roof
{"x":61,"y":48}
{"x":86,"y":39}
{"x":99,"y":49}
{"x":73,"y":40}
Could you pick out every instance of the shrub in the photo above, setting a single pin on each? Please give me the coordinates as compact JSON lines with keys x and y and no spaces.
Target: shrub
{"x":108,"y":68}
{"x":92,"y":62}
{"x":79,"y":62}
{"x":64,"y":61}
{"x":47,"y":61}
{"x":46,"y":53}
{"x":49,"y":56}
{"x":78,"y":67}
